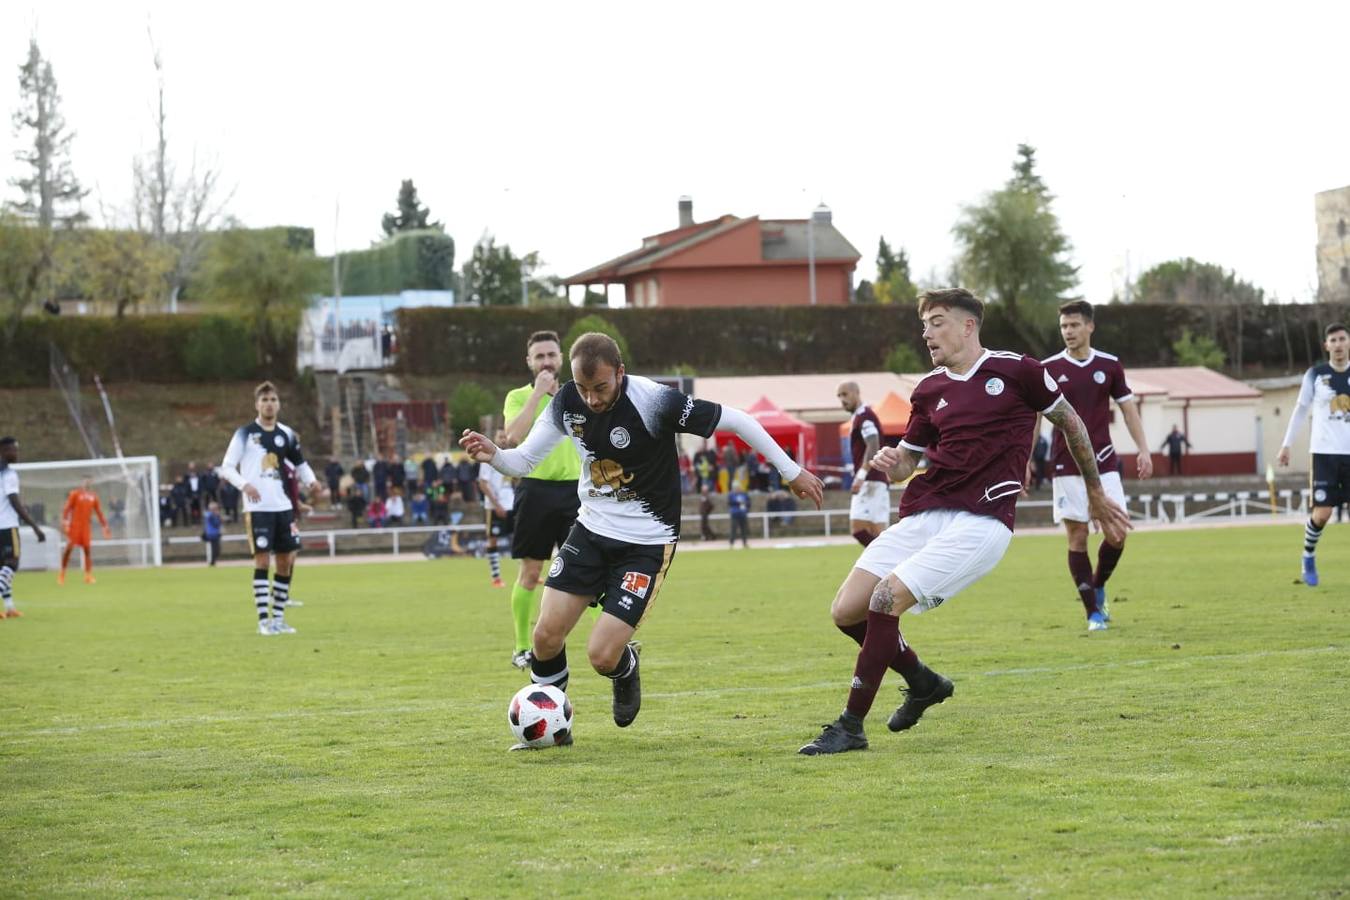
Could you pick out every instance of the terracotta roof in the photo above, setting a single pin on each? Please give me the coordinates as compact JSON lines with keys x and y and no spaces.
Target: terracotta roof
{"x":1188,"y":383}
{"x":780,"y":239}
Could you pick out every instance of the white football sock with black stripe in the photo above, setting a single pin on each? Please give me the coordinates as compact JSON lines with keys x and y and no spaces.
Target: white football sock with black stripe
{"x":281,"y":592}
{"x":1311,"y":535}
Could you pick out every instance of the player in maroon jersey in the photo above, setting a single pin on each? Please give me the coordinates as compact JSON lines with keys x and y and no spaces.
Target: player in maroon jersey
{"x":869,"y":510}
{"x":1090,"y":380}
{"x":973,"y":417}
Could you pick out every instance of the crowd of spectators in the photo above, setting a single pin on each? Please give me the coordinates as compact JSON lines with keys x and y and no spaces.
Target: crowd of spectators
{"x":739,"y":478}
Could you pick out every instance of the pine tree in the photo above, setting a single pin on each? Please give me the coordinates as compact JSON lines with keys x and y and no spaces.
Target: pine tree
{"x":51,"y":193}
{"x":411,"y":216}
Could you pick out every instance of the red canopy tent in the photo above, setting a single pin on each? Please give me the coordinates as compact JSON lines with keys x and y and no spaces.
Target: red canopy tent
{"x":790,"y":433}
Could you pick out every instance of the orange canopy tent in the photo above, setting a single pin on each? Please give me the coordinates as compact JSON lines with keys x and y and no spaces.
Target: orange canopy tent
{"x":789,"y":432}
{"x":893,"y":411}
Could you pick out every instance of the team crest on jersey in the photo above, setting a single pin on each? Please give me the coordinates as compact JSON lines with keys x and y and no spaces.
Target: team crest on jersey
{"x":279,"y":441}
{"x":556,"y":568}
{"x":619,"y":438}
{"x":1099,"y":377}
{"x":994,"y":386}
{"x":636,"y":583}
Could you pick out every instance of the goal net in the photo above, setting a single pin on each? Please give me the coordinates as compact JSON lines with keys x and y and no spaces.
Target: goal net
{"x":127,"y":492}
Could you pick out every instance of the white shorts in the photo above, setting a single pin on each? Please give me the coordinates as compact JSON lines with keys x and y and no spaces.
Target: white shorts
{"x":1071,"y":496}
{"x":937,"y":553}
{"x":872,"y":503}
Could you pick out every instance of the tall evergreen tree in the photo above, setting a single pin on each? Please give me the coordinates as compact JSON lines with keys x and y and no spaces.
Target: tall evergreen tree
{"x":51,"y":193}
{"x":1013,"y":252}
{"x":411,"y":215}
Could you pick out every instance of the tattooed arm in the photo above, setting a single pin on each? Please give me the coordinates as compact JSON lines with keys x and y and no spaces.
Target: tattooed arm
{"x":1112,"y":520}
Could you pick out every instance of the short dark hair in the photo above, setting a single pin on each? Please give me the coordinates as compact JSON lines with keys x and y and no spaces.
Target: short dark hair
{"x":266,"y":387}
{"x":1335,"y":327}
{"x":949,"y":298}
{"x":8,"y":441}
{"x":593,"y":348}
{"x":1077,"y":308}
{"x":539,"y":337}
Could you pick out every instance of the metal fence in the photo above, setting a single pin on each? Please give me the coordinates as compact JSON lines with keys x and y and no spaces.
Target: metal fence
{"x":1143,"y":508}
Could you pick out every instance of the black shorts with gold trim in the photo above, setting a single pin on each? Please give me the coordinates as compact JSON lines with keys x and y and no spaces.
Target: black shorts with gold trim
{"x":624,"y":578}
{"x":1330,"y":479}
{"x":272,"y":532}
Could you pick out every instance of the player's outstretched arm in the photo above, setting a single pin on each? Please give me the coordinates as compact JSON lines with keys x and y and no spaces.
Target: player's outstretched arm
{"x":1110,"y":518}
{"x":543,"y":437}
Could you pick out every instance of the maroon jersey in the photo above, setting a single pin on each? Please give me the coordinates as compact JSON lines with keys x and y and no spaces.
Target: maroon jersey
{"x":865,"y":425}
{"x":976,"y":430}
{"x":1090,"y":385}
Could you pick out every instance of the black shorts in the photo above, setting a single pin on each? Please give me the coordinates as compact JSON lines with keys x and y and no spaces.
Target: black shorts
{"x":545,"y":511}
{"x":9,"y":543}
{"x":272,"y":532}
{"x":1330,"y":479}
{"x":624,"y":578}
{"x":501,"y":526}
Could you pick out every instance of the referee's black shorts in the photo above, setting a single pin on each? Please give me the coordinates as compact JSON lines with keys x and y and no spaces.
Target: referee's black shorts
{"x":545,"y":511}
{"x":1330,"y":479}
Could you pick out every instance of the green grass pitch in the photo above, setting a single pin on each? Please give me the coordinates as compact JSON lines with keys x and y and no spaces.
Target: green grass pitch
{"x":151,"y":744}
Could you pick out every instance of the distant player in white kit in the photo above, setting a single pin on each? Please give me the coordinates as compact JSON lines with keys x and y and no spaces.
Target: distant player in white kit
{"x":1326,"y":394}
{"x":253,"y":464}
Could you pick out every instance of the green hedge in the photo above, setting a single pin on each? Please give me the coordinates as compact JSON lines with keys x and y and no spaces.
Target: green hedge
{"x":412,"y":261}
{"x":746,"y":340}
{"x":155,"y":348}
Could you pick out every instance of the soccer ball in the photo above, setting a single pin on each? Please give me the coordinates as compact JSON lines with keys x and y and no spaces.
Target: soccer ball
{"x":540,"y":715}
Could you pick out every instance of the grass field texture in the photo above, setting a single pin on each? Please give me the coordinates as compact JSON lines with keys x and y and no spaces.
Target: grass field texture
{"x":152,"y":744}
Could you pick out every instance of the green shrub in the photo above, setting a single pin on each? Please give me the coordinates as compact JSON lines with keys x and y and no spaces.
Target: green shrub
{"x":597,"y":323}
{"x":469,"y":404}
{"x":219,"y":349}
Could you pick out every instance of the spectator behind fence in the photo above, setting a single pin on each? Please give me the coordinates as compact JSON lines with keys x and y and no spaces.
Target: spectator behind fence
{"x":379,"y":477}
{"x":229,"y":501}
{"x":393,"y":507}
{"x":738,"y":504}
{"x":333,"y":473}
{"x":705,"y":509}
{"x":420,"y":508}
{"x":429,"y":471}
{"x":361,"y":475}
{"x":211,"y":529}
{"x":397,"y":474}
{"x":356,"y":505}
{"x":375,"y":513}
{"x":1176,"y":444}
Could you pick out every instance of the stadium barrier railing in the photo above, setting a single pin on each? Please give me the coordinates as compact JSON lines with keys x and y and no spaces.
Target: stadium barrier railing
{"x":1145,"y":508}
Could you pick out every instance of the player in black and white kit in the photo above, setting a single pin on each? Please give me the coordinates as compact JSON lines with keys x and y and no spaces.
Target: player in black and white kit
{"x":619,"y":550}
{"x":253,"y":464}
{"x":1326,"y":393}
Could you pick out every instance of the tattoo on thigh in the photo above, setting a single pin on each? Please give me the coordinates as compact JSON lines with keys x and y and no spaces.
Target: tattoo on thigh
{"x":883,"y":598}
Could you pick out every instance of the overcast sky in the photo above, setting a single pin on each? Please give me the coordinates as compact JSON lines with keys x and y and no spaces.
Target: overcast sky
{"x":1165,"y":130}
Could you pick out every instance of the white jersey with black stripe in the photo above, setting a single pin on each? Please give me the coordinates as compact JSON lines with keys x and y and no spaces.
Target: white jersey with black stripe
{"x":255,"y":457}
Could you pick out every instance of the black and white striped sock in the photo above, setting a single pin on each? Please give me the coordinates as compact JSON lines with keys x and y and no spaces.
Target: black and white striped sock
{"x":550,"y":671}
{"x":495,"y":563}
{"x":7,"y":586}
{"x":281,"y":592}
{"x":627,"y":663}
{"x":260,"y":591}
{"x":1311,"y":535}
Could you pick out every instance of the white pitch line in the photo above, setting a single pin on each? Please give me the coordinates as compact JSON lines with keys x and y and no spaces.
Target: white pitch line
{"x":19,"y":734}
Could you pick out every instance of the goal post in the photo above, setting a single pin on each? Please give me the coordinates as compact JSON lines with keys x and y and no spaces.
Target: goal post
{"x":128,"y":492}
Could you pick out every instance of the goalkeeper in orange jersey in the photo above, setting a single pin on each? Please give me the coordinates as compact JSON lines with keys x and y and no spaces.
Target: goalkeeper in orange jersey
{"x":80,"y":504}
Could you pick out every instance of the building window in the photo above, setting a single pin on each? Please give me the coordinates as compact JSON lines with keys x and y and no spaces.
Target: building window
{"x":637,"y":294}
{"x":653,"y":298}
